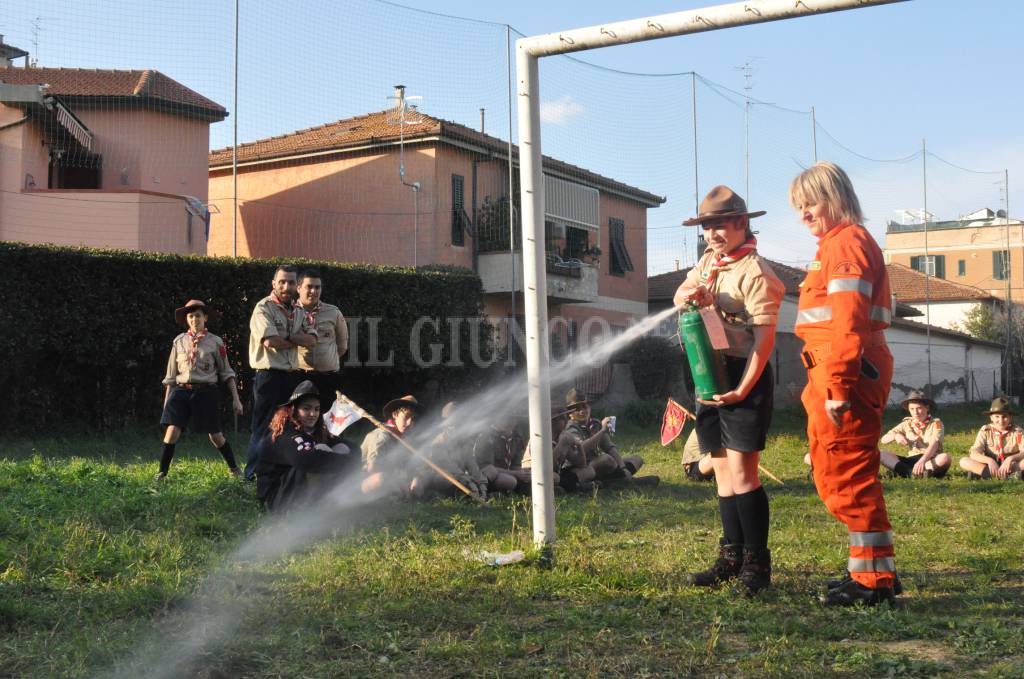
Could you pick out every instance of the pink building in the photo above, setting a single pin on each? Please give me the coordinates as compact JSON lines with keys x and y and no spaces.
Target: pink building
{"x":337,"y":192}
{"x":103,"y":159}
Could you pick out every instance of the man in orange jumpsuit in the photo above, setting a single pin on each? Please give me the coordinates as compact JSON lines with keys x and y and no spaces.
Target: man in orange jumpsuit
{"x":844,"y":308}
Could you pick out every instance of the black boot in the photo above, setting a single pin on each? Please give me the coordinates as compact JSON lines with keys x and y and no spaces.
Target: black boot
{"x":897,"y":586}
{"x":851,"y":592}
{"x":756,"y":572}
{"x":726,"y":566}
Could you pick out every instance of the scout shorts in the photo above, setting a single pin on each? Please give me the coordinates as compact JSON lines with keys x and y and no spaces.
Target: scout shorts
{"x":742,"y":426}
{"x":911,"y":460}
{"x":199,"y":407}
{"x":693,"y":472}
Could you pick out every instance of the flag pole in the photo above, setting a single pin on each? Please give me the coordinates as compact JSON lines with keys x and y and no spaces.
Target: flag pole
{"x":430,"y":463}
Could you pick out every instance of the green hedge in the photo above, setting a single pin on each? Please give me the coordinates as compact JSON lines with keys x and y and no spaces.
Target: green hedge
{"x":86,"y":332}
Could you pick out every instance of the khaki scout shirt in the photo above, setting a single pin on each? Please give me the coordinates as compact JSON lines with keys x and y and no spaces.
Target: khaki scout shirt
{"x":746,"y":293}
{"x":331,"y":330}
{"x":987,"y":442}
{"x":211,"y":361}
{"x":269,"y":319}
{"x":377,"y":446}
{"x":691,"y":449}
{"x":919,"y":442}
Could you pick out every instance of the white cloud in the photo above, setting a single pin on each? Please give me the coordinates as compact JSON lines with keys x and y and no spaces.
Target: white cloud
{"x":560,"y":111}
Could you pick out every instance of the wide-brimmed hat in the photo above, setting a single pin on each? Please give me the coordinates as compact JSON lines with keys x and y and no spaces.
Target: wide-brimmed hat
{"x":917,"y":396}
{"x":1000,"y":404}
{"x":305,"y":388}
{"x":573,"y":399}
{"x":721,"y":202}
{"x":191,"y":305}
{"x":448,"y":410}
{"x":404,"y":402}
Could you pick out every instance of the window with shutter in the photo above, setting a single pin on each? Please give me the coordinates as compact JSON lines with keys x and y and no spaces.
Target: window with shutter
{"x":458,"y":209}
{"x":619,"y":262}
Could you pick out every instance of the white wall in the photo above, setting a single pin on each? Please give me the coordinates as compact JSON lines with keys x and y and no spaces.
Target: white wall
{"x":961,"y":370}
{"x":944,"y":314}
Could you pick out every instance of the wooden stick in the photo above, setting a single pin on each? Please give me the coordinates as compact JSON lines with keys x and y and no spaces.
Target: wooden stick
{"x":771,"y":476}
{"x":377,"y":423}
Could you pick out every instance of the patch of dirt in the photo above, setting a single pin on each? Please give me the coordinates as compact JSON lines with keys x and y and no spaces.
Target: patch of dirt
{"x":918,"y":649}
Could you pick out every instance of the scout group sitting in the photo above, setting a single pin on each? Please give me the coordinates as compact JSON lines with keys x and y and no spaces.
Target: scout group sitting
{"x":997,"y":451}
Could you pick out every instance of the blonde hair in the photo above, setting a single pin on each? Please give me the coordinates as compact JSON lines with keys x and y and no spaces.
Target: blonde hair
{"x":825,"y":183}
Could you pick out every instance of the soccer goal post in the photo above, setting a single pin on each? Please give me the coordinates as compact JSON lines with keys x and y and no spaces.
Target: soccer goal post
{"x":529,"y":51}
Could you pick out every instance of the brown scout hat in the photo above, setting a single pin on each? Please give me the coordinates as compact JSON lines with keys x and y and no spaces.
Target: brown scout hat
{"x":573,"y":400}
{"x":917,"y":396}
{"x":1000,"y":404}
{"x":191,"y":305}
{"x":407,"y":401}
{"x":720,"y":202}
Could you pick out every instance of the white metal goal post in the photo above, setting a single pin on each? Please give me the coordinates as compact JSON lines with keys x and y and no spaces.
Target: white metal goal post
{"x":529,"y":50}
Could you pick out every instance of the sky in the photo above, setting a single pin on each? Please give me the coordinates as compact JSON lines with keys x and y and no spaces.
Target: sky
{"x":883,"y":81}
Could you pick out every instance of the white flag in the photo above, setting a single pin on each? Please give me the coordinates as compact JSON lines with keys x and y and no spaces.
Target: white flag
{"x":339,"y":417}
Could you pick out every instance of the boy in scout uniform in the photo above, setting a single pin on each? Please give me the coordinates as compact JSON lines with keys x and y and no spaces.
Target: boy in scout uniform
{"x":385,"y":471}
{"x":744,"y":293}
{"x":275,"y":333}
{"x":998,"y":451}
{"x":922,"y":434}
{"x":322,"y":361}
{"x":197,"y":361}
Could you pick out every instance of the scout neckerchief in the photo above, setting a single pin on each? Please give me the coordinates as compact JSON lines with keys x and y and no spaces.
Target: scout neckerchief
{"x":193,"y":350}
{"x":750,"y":245}
{"x":311,"y":314}
{"x":920,"y":427}
{"x":1000,"y":442}
{"x":287,"y":309}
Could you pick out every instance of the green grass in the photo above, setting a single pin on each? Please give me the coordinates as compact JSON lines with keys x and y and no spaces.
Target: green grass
{"x":97,"y":563}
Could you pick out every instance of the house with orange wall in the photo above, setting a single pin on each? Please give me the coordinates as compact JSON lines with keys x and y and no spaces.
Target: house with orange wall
{"x":103,"y":158}
{"x":414,"y":190}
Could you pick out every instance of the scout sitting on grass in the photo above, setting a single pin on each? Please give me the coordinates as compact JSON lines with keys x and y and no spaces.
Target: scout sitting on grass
{"x":922,"y":434}
{"x":997,"y":451}
{"x":198,"y":359}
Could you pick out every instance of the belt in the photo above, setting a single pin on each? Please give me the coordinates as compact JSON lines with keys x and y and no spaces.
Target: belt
{"x":195,"y":387}
{"x":812,"y":356}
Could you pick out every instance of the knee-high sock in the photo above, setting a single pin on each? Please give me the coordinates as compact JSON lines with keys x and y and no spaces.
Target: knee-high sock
{"x":165,"y":457}
{"x":752,"y":508}
{"x":228,"y":455}
{"x":732,"y":528}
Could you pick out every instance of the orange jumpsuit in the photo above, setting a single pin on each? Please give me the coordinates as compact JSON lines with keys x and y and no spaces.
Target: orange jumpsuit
{"x":845,"y":305}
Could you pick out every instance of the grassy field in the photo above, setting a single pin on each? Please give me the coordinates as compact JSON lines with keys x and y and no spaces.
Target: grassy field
{"x":103,"y":573}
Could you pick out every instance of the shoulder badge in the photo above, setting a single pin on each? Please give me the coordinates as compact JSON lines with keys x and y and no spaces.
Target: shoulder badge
{"x":848,"y":270}
{"x":814,"y":266}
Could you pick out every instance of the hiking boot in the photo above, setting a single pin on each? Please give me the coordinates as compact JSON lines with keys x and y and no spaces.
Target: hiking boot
{"x":650,"y":480}
{"x":756,"y":571}
{"x":851,"y":592}
{"x":584,"y":487}
{"x":235,"y":472}
{"x":726,"y":566}
{"x":897,"y":586}
{"x":160,"y":476}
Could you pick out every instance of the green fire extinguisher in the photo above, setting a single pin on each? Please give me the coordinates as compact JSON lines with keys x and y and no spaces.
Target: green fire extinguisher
{"x":706,"y":363}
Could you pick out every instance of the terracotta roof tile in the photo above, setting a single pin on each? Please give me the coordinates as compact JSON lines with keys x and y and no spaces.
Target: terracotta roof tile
{"x":908,"y":286}
{"x":383,"y":127}
{"x":82,"y":82}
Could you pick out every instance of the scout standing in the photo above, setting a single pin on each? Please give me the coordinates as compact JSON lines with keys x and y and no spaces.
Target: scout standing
{"x":198,"y":360}
{"x":998,"y":451}
{"x":745,"y":293}
{"x":922,"y":434}
{"x":322,"y":361}
{"x":275,"y":333}
{"x":844,"y":309}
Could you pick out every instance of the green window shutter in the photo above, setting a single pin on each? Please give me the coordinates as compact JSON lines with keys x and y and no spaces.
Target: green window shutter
{"x":940,"y":266}
{"x":915,"y":263}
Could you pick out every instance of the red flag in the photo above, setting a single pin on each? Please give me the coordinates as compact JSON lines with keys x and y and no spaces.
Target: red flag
{"x":673,"y":421}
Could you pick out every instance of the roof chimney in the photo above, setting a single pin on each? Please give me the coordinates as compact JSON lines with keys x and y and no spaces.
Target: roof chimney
{"x":400,"y":96}
{"x":482,"y":121}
